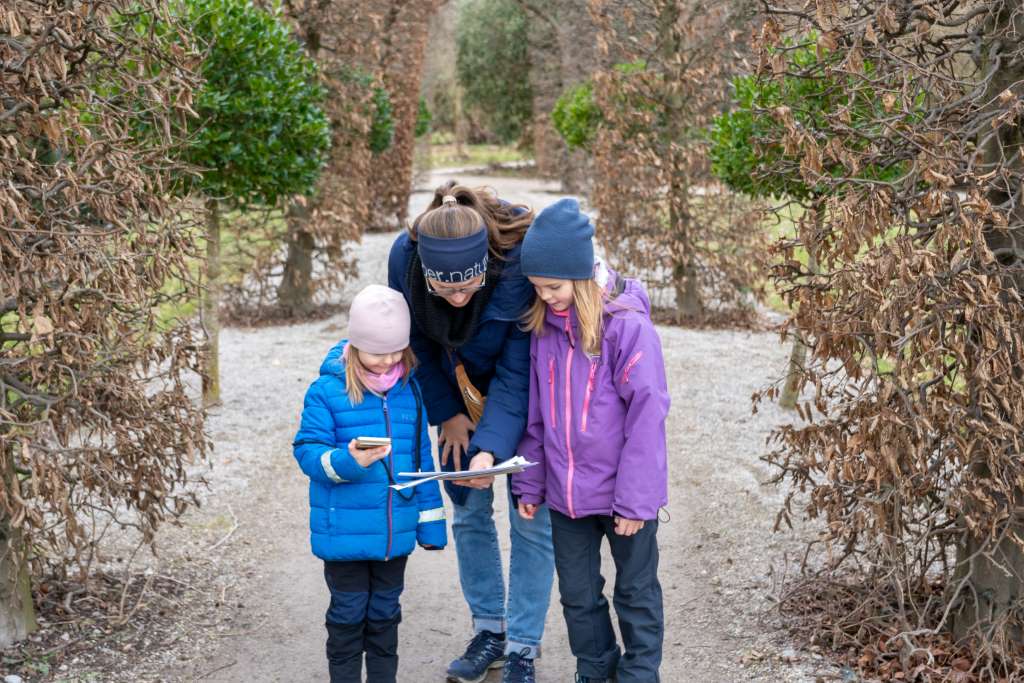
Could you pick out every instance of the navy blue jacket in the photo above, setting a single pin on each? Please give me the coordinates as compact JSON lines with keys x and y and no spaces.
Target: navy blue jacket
{"x":353,"y":512}
{"x":496,"y":358}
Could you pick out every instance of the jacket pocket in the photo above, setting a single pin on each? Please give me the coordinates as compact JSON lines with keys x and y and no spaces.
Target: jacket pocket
{"x":588,"y":393}
{"x":551,"y":391}
{"x":630,"y":365}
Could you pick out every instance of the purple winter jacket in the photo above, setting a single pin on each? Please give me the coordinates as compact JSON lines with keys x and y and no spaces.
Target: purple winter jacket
{"x":596,"y":424}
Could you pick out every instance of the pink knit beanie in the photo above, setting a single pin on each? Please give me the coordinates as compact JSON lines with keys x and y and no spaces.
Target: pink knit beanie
{"x":378,"y":321}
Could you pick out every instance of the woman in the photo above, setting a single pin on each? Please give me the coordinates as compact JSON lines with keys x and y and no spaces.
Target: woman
{"x":458,"y":268}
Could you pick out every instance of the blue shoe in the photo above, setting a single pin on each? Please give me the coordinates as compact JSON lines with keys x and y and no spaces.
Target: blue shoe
{"x":518,"y":669}
{"x":485,"y":652}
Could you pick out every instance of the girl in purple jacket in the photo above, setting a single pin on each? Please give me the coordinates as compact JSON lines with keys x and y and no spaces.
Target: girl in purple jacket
{"x":596,"y":425}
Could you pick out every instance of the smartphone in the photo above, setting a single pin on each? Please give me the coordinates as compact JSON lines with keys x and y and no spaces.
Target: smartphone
{"x":364,"y":442}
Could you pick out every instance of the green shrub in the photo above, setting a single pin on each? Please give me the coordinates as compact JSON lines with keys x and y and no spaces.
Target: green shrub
{"x":576,"y":116}
{"x":746,"y":152}
{"x":261,"y":133}
{"x":492,"y":66}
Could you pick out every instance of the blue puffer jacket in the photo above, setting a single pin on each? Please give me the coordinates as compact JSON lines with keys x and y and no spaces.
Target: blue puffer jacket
{"x":353,"y":512}
{"x":496,"y":358}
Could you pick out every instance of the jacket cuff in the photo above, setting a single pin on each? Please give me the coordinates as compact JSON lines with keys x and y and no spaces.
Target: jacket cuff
{"x":340,"y":467}
{"x":432,"y":533}
{"x":630,"y":512}
{"x":488,"y":442}
{"x":531,"y":499}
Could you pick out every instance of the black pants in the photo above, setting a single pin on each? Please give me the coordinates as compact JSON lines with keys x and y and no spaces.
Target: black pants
{"x":363,"y":617}
{"x":637,"y":597}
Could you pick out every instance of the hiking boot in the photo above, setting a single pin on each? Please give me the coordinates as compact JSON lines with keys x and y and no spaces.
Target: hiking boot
{"x":486,"y":651}
{"x":518,"y":668}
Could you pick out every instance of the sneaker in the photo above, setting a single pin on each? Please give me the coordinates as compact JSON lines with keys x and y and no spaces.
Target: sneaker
{"x":580,"y":678}
{"x":486,"y":651}
{"x":518,"y":668}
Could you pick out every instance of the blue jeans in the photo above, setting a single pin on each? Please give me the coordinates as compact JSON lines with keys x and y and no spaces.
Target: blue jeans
{"x":531,"y":570}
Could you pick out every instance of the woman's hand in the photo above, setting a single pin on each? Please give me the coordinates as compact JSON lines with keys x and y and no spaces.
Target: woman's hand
{"x":527,"y":510}
{"x":367,"y":456}
{"x":454,"y":438}
{"x":480,"y":461}
{"x":628,"y":527}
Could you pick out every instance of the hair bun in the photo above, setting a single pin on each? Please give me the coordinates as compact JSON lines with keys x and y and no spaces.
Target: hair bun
{"x":449,"y":199}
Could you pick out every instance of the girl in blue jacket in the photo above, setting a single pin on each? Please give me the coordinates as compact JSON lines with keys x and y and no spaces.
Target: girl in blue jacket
{"x":360,"y":527}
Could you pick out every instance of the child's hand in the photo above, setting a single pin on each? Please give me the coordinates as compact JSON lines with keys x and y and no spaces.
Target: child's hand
{"x":628,"y":527}
{"x":527,"y":510}
{"x":367,"y":456}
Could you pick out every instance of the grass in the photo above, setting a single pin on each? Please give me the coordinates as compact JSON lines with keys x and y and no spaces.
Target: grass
{"x":782,"y":226}
{"x":444,"y":153}
{"x":238,"y":243}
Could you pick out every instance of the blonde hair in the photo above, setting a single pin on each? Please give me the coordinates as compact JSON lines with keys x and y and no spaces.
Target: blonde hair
{"x":589,"y":299}
{"x":506,"y":223}
{"x":355,"y":387}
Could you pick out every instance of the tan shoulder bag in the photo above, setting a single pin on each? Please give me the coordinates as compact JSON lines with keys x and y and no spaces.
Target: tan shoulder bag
{"x":471,"y":396}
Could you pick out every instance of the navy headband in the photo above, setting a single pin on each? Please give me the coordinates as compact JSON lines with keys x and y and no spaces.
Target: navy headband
{"x":453,"y":259}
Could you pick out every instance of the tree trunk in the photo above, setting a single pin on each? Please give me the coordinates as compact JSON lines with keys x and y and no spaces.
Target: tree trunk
{"x":991,"y":596}
{"x":461,"y":124}
{"x":17,"y":613}
{"x":989,"y":604}
{"x":211,"y":306}
{"x":295,"y":293}
{"x":562,"y":49}
{"x":688,"y":303}
{"x":798,"y":354}
{"x":684,"y":270}
{"x":794,"y":373}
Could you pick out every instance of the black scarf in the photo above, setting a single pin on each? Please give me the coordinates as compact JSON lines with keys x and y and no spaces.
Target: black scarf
{"x":449,"y":326}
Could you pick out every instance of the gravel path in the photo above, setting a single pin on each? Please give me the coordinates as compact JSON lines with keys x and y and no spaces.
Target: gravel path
{"x":717,"y":550}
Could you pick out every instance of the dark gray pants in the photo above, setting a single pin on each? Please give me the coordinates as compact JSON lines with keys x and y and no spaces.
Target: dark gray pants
{"x":637,"y":597}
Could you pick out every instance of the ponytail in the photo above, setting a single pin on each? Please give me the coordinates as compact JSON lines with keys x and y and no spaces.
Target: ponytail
{"x":506,"y":223}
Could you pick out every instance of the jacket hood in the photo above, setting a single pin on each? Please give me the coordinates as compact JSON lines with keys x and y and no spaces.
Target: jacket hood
{"x":334,"y":361}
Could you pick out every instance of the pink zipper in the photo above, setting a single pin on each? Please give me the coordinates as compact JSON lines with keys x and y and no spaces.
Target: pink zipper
{"x":629,"y":366}
{"x":568,"y":421}
{"x":390,"y":466}
{"x":568,"y":431}
{"x":586,"y":397}
{"x":551,"y":389}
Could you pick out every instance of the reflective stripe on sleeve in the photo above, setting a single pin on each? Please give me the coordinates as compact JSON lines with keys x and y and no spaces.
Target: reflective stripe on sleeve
{"x":325,"y":461}
{"x":435,"y":515}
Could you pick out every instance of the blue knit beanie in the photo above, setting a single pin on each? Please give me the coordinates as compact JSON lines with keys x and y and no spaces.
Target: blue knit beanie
{"x":559,"y":243}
